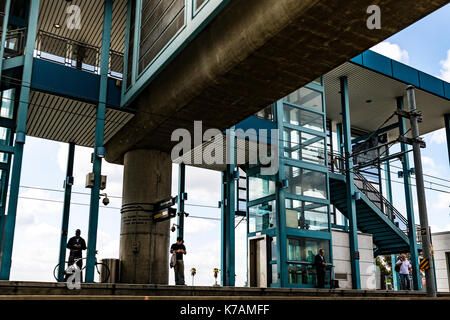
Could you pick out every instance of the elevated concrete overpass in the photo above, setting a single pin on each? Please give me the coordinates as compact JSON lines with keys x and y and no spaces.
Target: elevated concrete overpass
{"x":251,"y":54}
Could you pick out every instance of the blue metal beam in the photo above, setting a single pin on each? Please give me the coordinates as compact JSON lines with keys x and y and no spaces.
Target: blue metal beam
{"x":387,"y":176}
{"x":20,"y":140}
{"x":6,"y":167}
{"x":228,"y":215}
{"x":281,"y":205}
{"x":376,"y":133}
{"x":181,"y":198}
{"x":99,"y":133}
{"x":350,"y":186}
{"x":447,"y":131}
{"x":66,"y":212}
{"x":3,"y":38}
{"x":409,"y":200}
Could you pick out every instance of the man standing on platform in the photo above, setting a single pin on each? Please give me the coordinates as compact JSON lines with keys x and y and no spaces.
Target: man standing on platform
{"x":179,"y":249}
{"x":321,"y":266}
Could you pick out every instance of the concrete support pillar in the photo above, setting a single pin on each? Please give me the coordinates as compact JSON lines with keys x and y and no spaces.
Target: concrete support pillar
{"x":144,"y":245}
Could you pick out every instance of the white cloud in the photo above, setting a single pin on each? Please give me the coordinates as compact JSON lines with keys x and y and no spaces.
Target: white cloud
{"x":438,"y":136}
{"x":391,"y":50}
{"x":436,"y":229}
{"x":427,"y":161}
{"x":196,"y":226}
{"x":445,"y":70}
{"x":442,"y":203}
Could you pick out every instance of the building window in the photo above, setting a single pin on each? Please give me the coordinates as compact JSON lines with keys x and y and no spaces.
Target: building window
{"x":307,"y":98}
{"x":305,"y":274}
{"x":303,"y":118}
{"x":266,"y":113}
{"x":262,"y":216}
{"x":260,"y":187}
{"x":304,"y":146}
{"x":305,"y":182}
{"x":306,"y":249}
{"x":274,"y":273}
{"x":306,"y":215}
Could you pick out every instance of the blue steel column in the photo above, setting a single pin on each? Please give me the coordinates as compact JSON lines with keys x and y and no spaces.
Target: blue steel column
{"x":99,"y":132}
{"x":350,"y":186}
{"x":228,"y":215}
{"x":409,"y":201}
{"x":339,"y":143}
{"x":181,"y":199}
{"x":387,"y":176}
{"x":447,"y":131}
{"x":4,"y":31}
{"x":281,"y":202}
{"x":66,"y":212}
{"x":20,"y":140}
{"x":4,"y":180}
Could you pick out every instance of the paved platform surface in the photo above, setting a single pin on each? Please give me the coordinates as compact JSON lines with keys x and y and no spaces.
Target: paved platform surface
{"x":59,"y":291}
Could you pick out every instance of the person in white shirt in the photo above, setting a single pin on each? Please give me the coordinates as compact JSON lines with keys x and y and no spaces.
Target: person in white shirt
{"x":405,"y":272}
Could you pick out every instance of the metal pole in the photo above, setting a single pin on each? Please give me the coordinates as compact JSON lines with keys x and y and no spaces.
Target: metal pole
{"x":409,"y":200}
{"x":228,"y":214}
{"x":387,"y":175}
{"x":4,"y":31}
{"x":66,"y":211}
{"x":447,"y":131}
{"x":421,"y":200}
{"x":181,"y":194}
{"x":350,"y":186}
{"x":99,"y":133}
{"x":20,"y":141}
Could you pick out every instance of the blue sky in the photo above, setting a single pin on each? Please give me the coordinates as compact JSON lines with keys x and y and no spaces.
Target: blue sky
{"x":424,"y":45}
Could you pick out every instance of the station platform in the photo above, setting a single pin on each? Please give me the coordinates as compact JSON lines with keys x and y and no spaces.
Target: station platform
{"x":59,"y":291}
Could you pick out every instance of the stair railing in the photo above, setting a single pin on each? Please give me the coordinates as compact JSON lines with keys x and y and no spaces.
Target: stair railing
{"x":76,"y":54}
{"x":371,"y":192}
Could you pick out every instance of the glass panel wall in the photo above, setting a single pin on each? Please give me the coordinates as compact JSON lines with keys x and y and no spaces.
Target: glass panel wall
{"x":301,"y":255}
{"x":305,"y":249}
{"x":306,"y":215}
{"x":304,"y":146}
{"x":260,"y":187}
{"x":262,"y":216}
{"x":307,"y":98}
{"x":305,"y":274}
{"x":266,"y":113}
{"x":303,"y":118}
{"x":305,"y":182}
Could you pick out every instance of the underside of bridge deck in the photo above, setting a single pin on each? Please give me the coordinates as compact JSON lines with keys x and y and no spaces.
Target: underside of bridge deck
{"x":251,"y":54}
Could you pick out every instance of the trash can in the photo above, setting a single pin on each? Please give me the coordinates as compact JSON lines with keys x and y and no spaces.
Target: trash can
{"x":109,"y":272}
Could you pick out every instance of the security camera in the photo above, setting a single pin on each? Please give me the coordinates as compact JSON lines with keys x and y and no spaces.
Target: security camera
{"x":105,"y":199}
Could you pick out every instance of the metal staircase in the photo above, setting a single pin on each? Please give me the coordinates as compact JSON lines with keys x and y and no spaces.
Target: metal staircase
{"x":374,"y":214}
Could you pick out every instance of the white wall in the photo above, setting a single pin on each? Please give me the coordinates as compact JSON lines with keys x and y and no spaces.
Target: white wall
{"x":341,"y":259}
{"x":441,"y":245}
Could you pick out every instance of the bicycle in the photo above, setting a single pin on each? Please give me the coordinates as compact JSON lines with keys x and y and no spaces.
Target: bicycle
{"x":103,"y":268}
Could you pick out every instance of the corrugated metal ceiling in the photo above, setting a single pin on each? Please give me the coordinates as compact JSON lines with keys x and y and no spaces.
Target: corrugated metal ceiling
{"x":372,"y":99}
{"x":65,"y":120}
{"x":91,"y":13}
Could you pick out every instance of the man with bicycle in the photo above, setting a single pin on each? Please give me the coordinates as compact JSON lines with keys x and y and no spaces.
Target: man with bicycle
{"x":76,"y":245}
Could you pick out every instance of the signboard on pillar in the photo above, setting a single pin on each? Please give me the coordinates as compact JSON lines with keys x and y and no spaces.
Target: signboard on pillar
{"x":164,"y":214}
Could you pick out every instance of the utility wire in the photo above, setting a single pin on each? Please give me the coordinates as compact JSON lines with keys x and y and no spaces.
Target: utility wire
{"x":190,"y":121}
{"x":105,"y":207}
